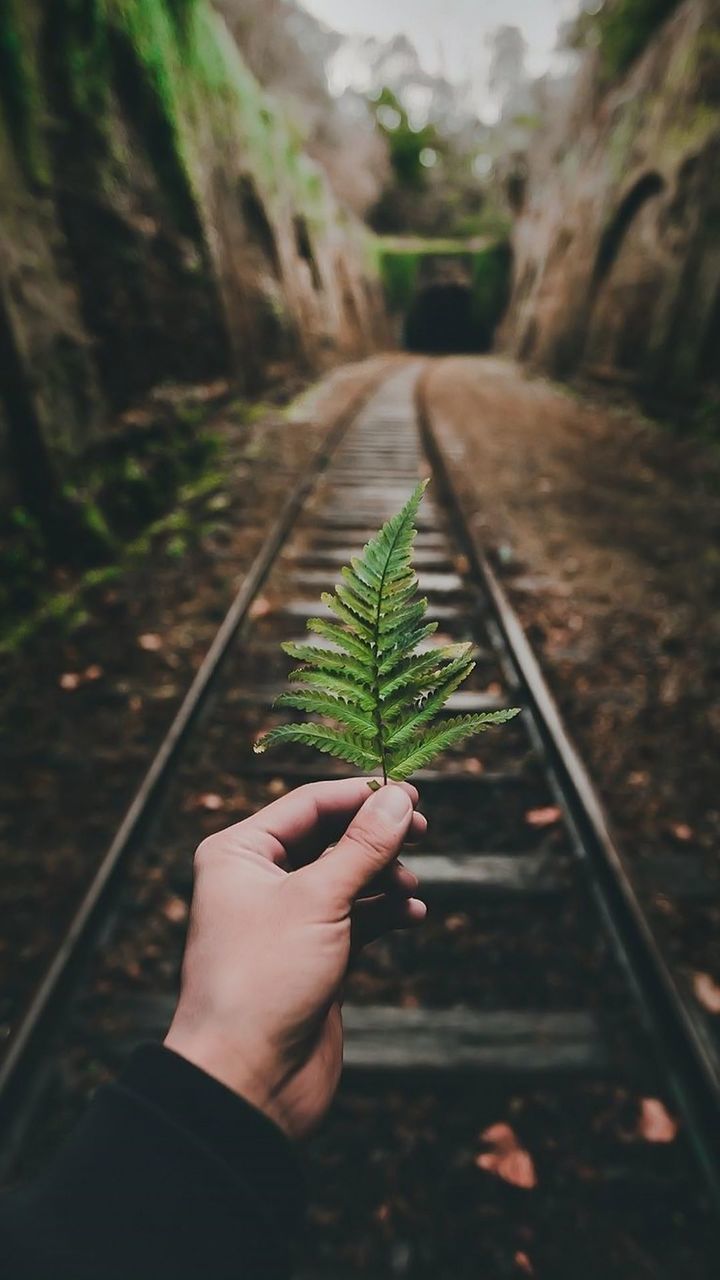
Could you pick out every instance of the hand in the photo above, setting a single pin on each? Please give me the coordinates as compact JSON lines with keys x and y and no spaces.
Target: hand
{"x":274,"y":918}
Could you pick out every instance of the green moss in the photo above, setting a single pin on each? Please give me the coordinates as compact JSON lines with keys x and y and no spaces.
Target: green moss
{"x":78,"y":37}
{"x":20,"y":97}
{"x":624,"y":29}
{"x":490,"y":284}
{"x":148,"y":72}
{"x":399,"y":273}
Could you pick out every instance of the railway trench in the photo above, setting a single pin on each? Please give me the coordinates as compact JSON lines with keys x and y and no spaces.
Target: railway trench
{"x":498,"y":1062}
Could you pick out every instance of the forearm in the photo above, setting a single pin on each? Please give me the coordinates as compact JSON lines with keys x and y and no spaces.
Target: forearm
{"x":169,"y":1174}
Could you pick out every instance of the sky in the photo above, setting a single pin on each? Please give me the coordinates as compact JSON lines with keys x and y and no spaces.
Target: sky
{"x":450,"y":34}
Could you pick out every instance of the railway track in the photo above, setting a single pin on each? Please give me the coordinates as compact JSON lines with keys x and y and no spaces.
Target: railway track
{"x":535,"y":997}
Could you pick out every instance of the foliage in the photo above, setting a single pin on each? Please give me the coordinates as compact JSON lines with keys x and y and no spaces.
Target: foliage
{"x":384,"y":695}
{"x":20,"y":100}
{"x":621,"y":30}
{"x":491,"y":270}
{"x":399,"y":273}
{"x":406,"y":144}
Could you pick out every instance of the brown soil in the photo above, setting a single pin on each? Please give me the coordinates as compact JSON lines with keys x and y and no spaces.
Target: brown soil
{"x":84,"y":706}
{"x":605,"y":527}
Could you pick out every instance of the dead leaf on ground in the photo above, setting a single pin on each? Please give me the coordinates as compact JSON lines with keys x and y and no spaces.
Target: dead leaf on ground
{"x":150,"y":641}
{"x":507,"y":1160}
{"x":70,"y":680}
{"x":210,"y":800}
{"x":522,"y":1261}
{"x":543,"y":817}
{"x":707,"y":992}
{"x":473,"y":765}
{"x":682,"y":831}
{"x":455,"y":923}
{"x":655,"y":1123}
{"x":93,"y":672}
{"x":277,"y":787}
{"x":260,"y":607}
{"x":175,"y":910}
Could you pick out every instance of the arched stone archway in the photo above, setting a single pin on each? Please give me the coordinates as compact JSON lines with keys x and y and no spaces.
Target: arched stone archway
{"x":626,"y":281}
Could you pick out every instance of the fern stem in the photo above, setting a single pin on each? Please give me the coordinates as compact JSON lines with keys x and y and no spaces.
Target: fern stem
{"x":376,"y":652}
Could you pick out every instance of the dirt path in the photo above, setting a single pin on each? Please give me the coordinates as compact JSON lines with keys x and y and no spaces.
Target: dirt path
{"x":606,"y":528}
{"x":84,"y":707}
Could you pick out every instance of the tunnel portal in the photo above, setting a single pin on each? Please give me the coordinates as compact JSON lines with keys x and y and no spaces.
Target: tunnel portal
{"x":441,"y":319}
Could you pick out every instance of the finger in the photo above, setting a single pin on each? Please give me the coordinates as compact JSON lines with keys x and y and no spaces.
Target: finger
{"x":394,"y":879}
{"x":371,"y":842}
{"x":302,"y":823}
{"x":370,"y":920}
{"x":418,"y":829}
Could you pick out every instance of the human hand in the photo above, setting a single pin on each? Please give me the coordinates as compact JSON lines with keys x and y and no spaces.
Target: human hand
{"x":274,"y":918}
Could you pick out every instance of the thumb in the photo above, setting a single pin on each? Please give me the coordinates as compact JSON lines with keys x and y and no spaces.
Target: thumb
{"x":372,"y":840}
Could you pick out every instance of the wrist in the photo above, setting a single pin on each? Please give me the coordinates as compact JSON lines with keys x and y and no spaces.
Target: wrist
{"x":232,"y":1067}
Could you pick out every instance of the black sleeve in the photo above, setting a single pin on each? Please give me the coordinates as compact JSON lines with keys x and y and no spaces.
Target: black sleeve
{"x":169,"y":1175}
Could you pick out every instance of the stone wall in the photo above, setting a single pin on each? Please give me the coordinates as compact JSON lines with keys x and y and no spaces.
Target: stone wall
{"x":159,"y":221}
{"x":617,"y":243}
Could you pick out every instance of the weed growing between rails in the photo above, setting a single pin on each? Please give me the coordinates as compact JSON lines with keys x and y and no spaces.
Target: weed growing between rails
{"x":384,"y":696}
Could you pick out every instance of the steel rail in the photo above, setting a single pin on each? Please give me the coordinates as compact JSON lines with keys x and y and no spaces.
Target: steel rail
{"x":685,"y":1054}
{"x":16,"y":1071}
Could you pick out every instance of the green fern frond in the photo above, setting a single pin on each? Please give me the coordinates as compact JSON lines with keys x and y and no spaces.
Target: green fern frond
{"x":380,"y":694}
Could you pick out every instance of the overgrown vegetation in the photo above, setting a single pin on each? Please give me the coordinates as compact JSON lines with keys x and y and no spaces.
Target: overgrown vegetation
{"x":19,"y":93}
{"x":621,"y":30}
{"x":117,"y":489}
{"x":382,"y":691}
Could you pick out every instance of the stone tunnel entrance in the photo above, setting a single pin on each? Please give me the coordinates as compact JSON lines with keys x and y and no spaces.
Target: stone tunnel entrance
{"x":441,"y":320}
{"x":446,"y":300}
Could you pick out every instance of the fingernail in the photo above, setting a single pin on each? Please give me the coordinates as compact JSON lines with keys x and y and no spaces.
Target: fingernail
{"x":393,"y":802}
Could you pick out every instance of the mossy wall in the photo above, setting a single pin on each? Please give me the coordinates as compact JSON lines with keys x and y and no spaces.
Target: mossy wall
{"x":617,"y":251}
{"x":163,"y":224}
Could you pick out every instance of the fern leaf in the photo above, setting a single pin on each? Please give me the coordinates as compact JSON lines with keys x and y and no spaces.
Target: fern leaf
{"x":346,"y":641}
{"x":421,"y":752}
{"x":330,"y":741}
{"x":325,"y":705}
{"x":328,"y":682}
{"x":381,"y":695}
{"x":433,"y":701}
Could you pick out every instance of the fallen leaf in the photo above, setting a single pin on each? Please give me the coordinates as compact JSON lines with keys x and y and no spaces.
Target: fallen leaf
{"x":655,"y":1123}
{"x":135,"y":702}
{"x":543,"y":817}
{"x":707,"y":992}
{"x":508,"y":1160}
{"x":209,"y":800}
{"x":70,"y":680}
{"x":260,"y":607}
{"x":455,"y":923}
{"x":150,"y":641}
{"x":473,"y":765}
{"x":93,"y":672}
{"x":639,"y":778}
{"x":175,"y":910}
{"x":522,"y":1261}
{"x":682,"y":831}
{"x":276,"y":787}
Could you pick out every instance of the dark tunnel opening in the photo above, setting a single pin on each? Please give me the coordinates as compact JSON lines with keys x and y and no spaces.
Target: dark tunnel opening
{"x":442,"y":319}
